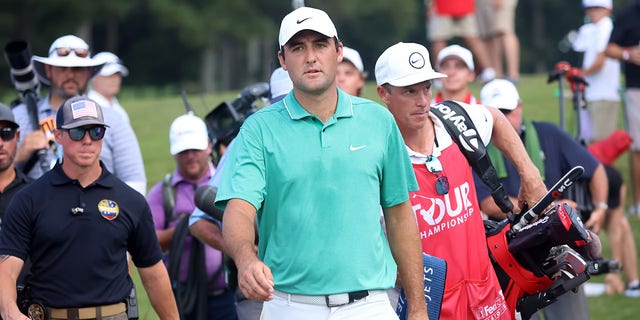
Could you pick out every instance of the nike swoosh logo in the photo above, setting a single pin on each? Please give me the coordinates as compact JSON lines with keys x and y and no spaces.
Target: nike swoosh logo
{"x":414,"y":61}
{"x":352,"y":148}
{"x":303,"y":20}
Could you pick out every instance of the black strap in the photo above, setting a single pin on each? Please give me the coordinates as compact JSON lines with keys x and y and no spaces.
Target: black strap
{"x":462,"y":130}
{"x":168,"y":199}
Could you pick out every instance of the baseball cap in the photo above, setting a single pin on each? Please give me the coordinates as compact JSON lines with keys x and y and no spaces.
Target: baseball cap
{"x":188,"y":132}
{"x":79,"y":111}
{"x":405,"y":64}
{"x":500,"y":93}
{"x":7,"y":115}
{"x":70,"y":60}
{"x":279,"y":84}
{"x":112,"y":64}
{"x":305,"y":18}
{"x":597,"y":3}
{"x":457,"y":51}
{"x":352,"y":56}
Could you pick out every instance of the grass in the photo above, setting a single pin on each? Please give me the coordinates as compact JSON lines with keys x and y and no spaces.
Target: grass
{"x":151,"y":118}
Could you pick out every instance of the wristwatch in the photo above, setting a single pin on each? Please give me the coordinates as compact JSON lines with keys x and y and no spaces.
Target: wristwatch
{"x":625,"y":55}
{"x":602,"y":205}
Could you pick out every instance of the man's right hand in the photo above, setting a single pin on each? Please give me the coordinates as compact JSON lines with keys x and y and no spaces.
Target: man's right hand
{"x":255,"y":280}
{"x":32,"y":142}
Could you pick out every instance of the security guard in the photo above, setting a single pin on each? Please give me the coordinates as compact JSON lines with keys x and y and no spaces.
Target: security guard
{"x":77,"y":223}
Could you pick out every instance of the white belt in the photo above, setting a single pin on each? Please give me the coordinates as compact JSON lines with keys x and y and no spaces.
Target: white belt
{"x":332,"y":300}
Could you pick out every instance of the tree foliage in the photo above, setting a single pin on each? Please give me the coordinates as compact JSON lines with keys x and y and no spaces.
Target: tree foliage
{"x":168,"y":42}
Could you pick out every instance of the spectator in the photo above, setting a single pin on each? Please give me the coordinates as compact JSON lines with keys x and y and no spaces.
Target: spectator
{"x":11,"y":179}
{"x":106,"y":85}
{"x":601,"y":73}
{"x":76,"y":224}
{"x":191,"y":149}
{"x":496,"y":26}
{"x":447,"y":19}
{"x":456,"y":63}
{"x":279,"y":84}
{"x":289,"y":273}
{"x":67,"y":70}
{"x":351,"y":75}
{"x":624,"y":45}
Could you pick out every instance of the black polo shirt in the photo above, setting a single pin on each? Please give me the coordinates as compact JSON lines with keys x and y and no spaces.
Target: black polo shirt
{"x":626,"y":33}
{"x":77,"y":238}
{"x":6,"y":195}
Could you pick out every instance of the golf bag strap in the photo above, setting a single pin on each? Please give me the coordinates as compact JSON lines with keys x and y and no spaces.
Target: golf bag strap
{"x":462,"y":130}
{"x":168,"y":199}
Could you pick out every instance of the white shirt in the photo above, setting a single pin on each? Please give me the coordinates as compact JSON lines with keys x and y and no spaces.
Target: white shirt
{"x":105,"y":103}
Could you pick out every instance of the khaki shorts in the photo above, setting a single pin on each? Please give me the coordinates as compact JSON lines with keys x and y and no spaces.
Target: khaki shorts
{"x":444,"y":28}
{"x":604,"y":117}
{"x":633,"y":116}
{"x":492,"y":22}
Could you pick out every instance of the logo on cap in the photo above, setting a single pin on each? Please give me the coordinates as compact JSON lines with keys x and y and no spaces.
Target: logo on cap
{"x":303,"y":20}
{"x":416,"y":60}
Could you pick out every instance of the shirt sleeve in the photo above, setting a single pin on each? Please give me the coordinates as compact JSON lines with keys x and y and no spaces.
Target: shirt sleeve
{"x":156,"y":205}
{"x":123,"y":157}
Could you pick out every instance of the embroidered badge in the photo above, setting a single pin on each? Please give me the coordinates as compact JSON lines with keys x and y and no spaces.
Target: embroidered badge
{"x":109,"y":209}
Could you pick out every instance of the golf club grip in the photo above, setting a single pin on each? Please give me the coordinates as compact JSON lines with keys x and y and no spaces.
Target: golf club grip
{"x":555,"y":192}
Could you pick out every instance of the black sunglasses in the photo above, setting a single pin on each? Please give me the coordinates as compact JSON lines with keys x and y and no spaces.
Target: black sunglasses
{"x":434,"y":166}
{"x":7,"y":133}
{"x":95,"y":133}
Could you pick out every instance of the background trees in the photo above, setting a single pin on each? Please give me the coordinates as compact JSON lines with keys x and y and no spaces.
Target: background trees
{"x":214,"y":45}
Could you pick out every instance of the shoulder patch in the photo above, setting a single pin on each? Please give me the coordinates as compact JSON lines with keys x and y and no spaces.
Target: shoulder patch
{"x":108,"y":209}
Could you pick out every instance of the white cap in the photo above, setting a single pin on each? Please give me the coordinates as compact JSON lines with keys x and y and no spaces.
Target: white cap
{"x":305,"y":18}
{"x":352,"y":56}
{"x":501,"y":94}
{"x":70,"y":60}
{"x":112,"y":64}
{"x":280,"y":84}
{"x":459,"y":52}
{"x":188,"y":132}
{"x":405,"y":64}
{"x":597,"y":3}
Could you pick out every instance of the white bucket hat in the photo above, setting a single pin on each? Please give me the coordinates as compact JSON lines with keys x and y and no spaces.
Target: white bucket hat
{"x":112,"y":64}
{"x":72,"y":59}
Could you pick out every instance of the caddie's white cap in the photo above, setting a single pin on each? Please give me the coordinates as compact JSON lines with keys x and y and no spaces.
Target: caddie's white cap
{"x":457,"y":51}
{"x":597,"y":3}
{"x":501,"y":94}
{"x":112,"y":64}
{"x":305,"y":18}
{"x":352,"y":56}
{"x":279,"y":84}
{"x":405,"y":64}
{"x":188,"y":132}
{"x":72,"y":59}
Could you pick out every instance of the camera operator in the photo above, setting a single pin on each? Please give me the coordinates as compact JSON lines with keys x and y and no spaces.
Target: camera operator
{"x":67,"y":69}
{"x":554,"y":152}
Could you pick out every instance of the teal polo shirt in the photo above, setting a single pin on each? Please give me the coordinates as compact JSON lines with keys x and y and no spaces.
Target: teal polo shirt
{"x":318,"y":189}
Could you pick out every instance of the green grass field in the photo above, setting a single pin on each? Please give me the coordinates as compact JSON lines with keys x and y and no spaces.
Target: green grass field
{"x":151,"y":118}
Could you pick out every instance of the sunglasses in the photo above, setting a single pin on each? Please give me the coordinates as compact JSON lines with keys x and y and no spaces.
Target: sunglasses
{"x":63,"y":52}
{"x":8,"y":133}
{"x":434,"y":166}
{"x":95,"y":133}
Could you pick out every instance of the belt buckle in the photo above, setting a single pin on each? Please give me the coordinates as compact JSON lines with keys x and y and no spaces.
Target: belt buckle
{"x":330,"y":304}
{"x":351,"y":297}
